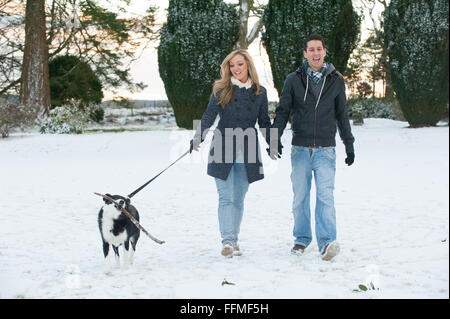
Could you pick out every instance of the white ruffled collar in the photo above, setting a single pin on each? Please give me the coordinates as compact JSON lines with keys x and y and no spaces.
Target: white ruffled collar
{"x":246,"y":85}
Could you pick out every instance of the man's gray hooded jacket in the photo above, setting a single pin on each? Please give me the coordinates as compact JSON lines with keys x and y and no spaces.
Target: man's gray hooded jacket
{"x":315,"y":108}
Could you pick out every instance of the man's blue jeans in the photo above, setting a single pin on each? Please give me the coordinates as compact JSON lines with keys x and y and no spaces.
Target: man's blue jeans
{"x":321,"y":161}
{"x":231,"y":202}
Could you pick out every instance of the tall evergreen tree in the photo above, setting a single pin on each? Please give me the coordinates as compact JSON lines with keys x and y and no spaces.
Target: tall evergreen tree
{"x":197,"y":37}
{"x":417,"y":38}
{"x":354,"y":72}
{"x":373,"y":48}
{"x":288,"y":22}
{"x":378,"y":33}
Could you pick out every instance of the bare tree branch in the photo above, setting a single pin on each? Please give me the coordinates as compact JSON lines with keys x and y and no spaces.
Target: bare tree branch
{"x":11,"y":85}
{"x":255,"y":31}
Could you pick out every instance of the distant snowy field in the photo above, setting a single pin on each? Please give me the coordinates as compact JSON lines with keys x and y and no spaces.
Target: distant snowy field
{"x":392,"y":217}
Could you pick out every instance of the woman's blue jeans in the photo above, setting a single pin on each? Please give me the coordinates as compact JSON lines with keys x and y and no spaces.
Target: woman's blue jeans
{"x":321,"y":161}
{"x":231,"y":202}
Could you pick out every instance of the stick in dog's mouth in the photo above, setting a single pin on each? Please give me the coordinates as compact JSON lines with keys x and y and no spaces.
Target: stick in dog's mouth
{"x":134,"y":221}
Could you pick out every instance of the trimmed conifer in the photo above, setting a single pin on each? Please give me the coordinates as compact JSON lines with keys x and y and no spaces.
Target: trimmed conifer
{"x":417,"y":38}
{"x":198,"y":35}
{"x":288,"y":23}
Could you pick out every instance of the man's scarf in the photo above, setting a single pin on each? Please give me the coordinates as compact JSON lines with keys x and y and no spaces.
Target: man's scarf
{"x":315,"y":76}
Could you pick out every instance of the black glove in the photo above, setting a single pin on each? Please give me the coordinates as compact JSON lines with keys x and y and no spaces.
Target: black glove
{"x":275,"y":153}
{"x":194,"y":145}
{"x":350,"y":158}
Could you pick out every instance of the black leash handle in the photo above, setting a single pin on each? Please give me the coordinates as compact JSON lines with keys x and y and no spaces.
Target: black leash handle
{"x":140,"y":188}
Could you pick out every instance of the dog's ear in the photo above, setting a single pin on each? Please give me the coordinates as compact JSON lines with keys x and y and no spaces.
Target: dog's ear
{"x":128,"y":201}
{"x":107,"y":202}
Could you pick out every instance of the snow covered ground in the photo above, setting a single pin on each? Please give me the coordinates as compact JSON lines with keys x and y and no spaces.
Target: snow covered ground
{"x":392,"y":217}
{"x":141,"y":117}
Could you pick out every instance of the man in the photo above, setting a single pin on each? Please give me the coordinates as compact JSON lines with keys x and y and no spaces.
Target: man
{"x":315,"y":96}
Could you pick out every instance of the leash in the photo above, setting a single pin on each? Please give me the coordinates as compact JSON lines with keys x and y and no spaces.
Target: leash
{"x":140,"y":188}
{"x":133,"y":220}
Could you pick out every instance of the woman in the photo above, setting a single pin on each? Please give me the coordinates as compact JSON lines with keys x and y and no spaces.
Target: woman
{"x":234,"y":159}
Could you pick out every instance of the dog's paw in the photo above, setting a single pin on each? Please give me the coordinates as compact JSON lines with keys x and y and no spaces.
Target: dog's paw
{"x":108,"y":272}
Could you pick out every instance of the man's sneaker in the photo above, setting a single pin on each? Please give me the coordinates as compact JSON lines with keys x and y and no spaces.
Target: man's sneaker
{"x":298,"y":250}
{"x":331,"y":250}
{"x":236,"y":250}
{"x":227,"y":250}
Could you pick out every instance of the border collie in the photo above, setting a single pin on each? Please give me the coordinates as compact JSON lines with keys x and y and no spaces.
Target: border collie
{"x":117,"y":229}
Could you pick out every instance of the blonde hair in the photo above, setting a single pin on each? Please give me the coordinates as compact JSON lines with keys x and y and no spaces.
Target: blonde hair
{"x":224,"y":85}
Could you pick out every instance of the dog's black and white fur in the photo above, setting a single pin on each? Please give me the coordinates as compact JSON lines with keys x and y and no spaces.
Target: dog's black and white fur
{"x":117,"y":229}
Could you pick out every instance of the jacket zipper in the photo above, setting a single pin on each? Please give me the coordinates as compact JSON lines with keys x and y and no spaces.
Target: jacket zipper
{"x":315,"y":109}
{"x":315,"y":119}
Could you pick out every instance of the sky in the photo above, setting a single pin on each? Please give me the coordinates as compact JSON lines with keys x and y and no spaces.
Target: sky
{"x":145,"y":69}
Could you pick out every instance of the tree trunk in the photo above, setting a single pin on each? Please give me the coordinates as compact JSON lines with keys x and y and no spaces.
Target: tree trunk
{"x":34,"y":85}
{"x":389,"y":91}
{"x":244,"y":12}
{"x":246,"y":38}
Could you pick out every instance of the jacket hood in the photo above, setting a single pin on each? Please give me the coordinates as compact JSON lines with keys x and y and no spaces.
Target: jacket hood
{"x":330,"y":69}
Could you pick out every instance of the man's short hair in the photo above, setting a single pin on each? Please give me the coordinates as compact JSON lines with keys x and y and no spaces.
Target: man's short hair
{"x":313,"y":36}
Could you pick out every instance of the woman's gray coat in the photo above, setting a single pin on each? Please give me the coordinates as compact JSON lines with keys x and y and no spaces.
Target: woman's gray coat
{"x":236,"y":132}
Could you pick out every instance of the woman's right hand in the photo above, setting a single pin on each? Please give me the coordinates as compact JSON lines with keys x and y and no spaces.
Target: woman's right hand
{"x":194,"y":145}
